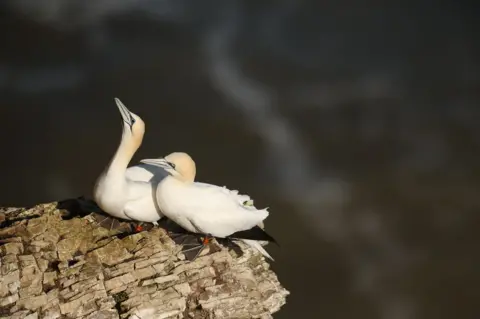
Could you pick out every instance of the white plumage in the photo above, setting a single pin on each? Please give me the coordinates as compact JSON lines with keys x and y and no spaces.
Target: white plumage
{"x":128,"y":193}
{"x":207,"y":209}
{"x":154,"y":187}
{"x":202,"y":207}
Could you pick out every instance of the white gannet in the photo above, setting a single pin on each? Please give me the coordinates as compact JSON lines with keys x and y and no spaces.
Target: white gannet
{"x":128,"y":193}
{"x":205,"y":208}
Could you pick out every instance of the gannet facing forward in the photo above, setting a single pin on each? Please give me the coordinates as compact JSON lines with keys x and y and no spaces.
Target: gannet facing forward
{"x":126,"y":193}
{"x":205,"y":208}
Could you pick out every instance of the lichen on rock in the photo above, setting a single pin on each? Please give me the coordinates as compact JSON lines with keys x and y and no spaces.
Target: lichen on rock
{"x":54,"y":265}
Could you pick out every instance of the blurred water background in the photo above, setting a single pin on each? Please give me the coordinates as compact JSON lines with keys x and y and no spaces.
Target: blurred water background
{"x":357,"y":123}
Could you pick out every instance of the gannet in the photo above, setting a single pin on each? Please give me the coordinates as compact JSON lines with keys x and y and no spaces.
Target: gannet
{"x":128,"y":193}
{"x":205,"y":208}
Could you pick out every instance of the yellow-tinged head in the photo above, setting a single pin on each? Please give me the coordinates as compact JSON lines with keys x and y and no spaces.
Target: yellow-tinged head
{"x":183,"y":164}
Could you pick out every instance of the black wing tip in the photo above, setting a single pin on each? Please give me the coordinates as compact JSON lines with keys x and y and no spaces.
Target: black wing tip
{"x":255,"y":233}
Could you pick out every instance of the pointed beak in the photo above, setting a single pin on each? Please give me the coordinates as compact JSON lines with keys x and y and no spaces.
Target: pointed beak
{"x":126,"y":115}
{"x":160,"y":162}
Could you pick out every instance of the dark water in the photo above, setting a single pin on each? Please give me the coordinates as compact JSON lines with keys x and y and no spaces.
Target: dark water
{"x":356,"y":124}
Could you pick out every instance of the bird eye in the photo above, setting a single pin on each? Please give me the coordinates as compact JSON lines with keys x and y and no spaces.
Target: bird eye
{"x":171,"y":164}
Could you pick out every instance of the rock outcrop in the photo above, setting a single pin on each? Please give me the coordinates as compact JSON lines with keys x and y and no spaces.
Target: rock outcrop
{"x":54,"y":265}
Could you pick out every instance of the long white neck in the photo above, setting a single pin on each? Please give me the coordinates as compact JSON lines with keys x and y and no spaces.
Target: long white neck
{"x":125,"y":151}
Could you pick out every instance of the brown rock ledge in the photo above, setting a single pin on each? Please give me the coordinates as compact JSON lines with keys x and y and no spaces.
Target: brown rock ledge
{"x":57,"y":267}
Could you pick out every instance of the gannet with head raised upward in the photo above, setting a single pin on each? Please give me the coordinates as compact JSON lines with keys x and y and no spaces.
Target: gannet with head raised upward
{"x":127,"y":193}
{"x":205,"y":208}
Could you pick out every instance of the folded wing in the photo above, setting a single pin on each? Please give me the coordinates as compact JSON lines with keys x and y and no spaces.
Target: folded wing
{"x":215,"y":210}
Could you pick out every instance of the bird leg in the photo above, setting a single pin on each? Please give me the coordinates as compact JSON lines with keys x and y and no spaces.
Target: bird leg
{"x":106,"y":221}
{"x":141,"y":226}
{"x":196,"y":248}
{"x":206,"y":240}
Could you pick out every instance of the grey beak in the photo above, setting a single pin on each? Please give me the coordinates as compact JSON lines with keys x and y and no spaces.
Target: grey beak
{"x":126,"y":115}
{"x":160,"y":162}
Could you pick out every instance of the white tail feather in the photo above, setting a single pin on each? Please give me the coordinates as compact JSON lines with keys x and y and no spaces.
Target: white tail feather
{"x":256,"y":245}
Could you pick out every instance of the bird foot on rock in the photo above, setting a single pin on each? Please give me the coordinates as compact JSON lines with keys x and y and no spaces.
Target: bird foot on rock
{"x":108,"y":222}
{"x":192,"y":244}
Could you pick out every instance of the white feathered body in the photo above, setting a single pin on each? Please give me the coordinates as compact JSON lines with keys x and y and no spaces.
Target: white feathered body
{"x":233,"y":195}
{"x":131,"y":196}
{"x":246,"y":201}
{"x":205,"y":208}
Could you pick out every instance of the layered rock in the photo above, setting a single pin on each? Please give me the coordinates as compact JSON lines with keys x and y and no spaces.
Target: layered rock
{"x":53,"y":266}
